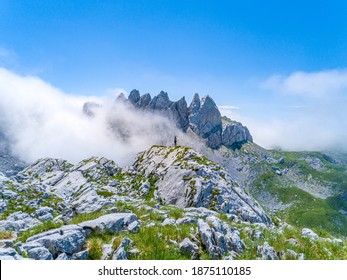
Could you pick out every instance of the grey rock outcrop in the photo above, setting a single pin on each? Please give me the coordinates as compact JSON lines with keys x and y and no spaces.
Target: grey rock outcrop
{"x":309,"y":233}
{"x":178,"y":111}
{"x":144,"y":101}
{"x":182,"y":181}
{"x":219,"y":239}
{"x":40,"y":253}
{"x":121,"y":252}
{"x":187,"y":247}
{"x":161,"y":102}
{"x":235,"y":133}
{"x":68,"y":239}
{"x":9,"y":254}
{"x":19,"y":221}
{"x":134,"y":97}
{"x":110,"y":223}
{"x":202,"y":116}
{"x":207,"y":239}
{"x":267,"y":252}
{"x":205,"y":120}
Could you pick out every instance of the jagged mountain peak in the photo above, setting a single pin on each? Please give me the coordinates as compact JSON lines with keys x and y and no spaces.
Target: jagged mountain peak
{"x":202,"y":117}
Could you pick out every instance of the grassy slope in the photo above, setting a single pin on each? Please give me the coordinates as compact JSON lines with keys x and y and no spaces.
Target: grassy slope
{"x":306,"y":210}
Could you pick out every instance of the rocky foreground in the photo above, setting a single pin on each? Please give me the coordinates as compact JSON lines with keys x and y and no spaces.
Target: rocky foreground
{"x":172,"y":203}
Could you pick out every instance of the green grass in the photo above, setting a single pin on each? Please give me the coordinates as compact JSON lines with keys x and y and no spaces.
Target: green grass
{"x":174,"y":212}
{"x":86,"y":217}
{"x":94,"y":246}
{"x":306,"y":210}
{"x":104,"y":193}
{"x":154,"y":242}
{"x":313,"y":250}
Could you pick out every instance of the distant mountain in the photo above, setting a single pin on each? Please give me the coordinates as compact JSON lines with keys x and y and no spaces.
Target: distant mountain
{"x":202,"y":117}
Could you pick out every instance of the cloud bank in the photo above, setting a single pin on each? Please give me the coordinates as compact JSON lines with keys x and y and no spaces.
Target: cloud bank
{"x":318,"y":121}
{"x":311,"y":84}
{"x":40,"y":120}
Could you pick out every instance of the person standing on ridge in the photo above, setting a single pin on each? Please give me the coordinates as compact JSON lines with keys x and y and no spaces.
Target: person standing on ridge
{"x":175,"y":141}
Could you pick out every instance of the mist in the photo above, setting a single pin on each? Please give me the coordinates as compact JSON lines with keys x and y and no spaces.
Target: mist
{"x":40,"y":120}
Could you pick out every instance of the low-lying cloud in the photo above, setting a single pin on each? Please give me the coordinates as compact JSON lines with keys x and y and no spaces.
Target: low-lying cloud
{"x":316,"y":121}
{"x":311,"y":84}
{"x":40,"y":120}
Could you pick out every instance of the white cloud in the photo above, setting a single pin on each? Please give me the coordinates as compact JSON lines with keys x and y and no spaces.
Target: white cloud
{"x":42,"y":121}
{"x":230,"y":107}
{"x":311,"y":84}
{"x":311,"y":130}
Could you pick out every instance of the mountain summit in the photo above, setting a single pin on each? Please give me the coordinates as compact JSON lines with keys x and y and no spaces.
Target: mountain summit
{"x":202,"y":117}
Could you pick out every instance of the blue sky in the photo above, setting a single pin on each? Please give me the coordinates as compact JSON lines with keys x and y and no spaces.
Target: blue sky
{"x":258,"y":56}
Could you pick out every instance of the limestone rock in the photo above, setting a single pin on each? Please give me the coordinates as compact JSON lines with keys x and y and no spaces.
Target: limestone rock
{"x":309,"y":233}
{"x":204,"y":117}
{"x":68,"y":239}
{"x":9,"y":254}
{"x":178,"y":111}
{"x":121,"y":252}
{"x":144,"y":101}
{"x":106,"y":251}
{"x":110,"y":223}
{"x":188,"y":179}
{"x":235,"y":133}
{"x":161,"y":102}
{"x":206,"y":236}
{"x":134,"y":96}
{"x":63,"y":257}
{"x":168,"y":221}
{"x":40,"y":253}
{"x":187,"y":247}
{"x":18,"y":221}
{"x":267,"y":252}
{"x":83,"y":255}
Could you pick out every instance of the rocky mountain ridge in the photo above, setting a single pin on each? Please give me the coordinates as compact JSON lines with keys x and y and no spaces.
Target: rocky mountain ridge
{"x":202,"y":117}
{"x":97,"y":210}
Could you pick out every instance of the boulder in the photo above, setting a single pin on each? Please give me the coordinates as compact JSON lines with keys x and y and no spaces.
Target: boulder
{"x":63,"y":257}
{"x":187,"y":247}
{"x":106,"y":251}
{"x":111,"y":223}
{"x":185,"y":220}
{"x":9,"y":254}
{"x":40,"y":253}
{"x":267,"y":252}
{"x":83,"y":255}
{"x":309,"y":233}
{"x":67,"y":239}
{"x":134,"y":227}
{"x":169,"y":222}
{"x":121,"y":252}
{"x":207,"y":239}
{"x":19,"y":221}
